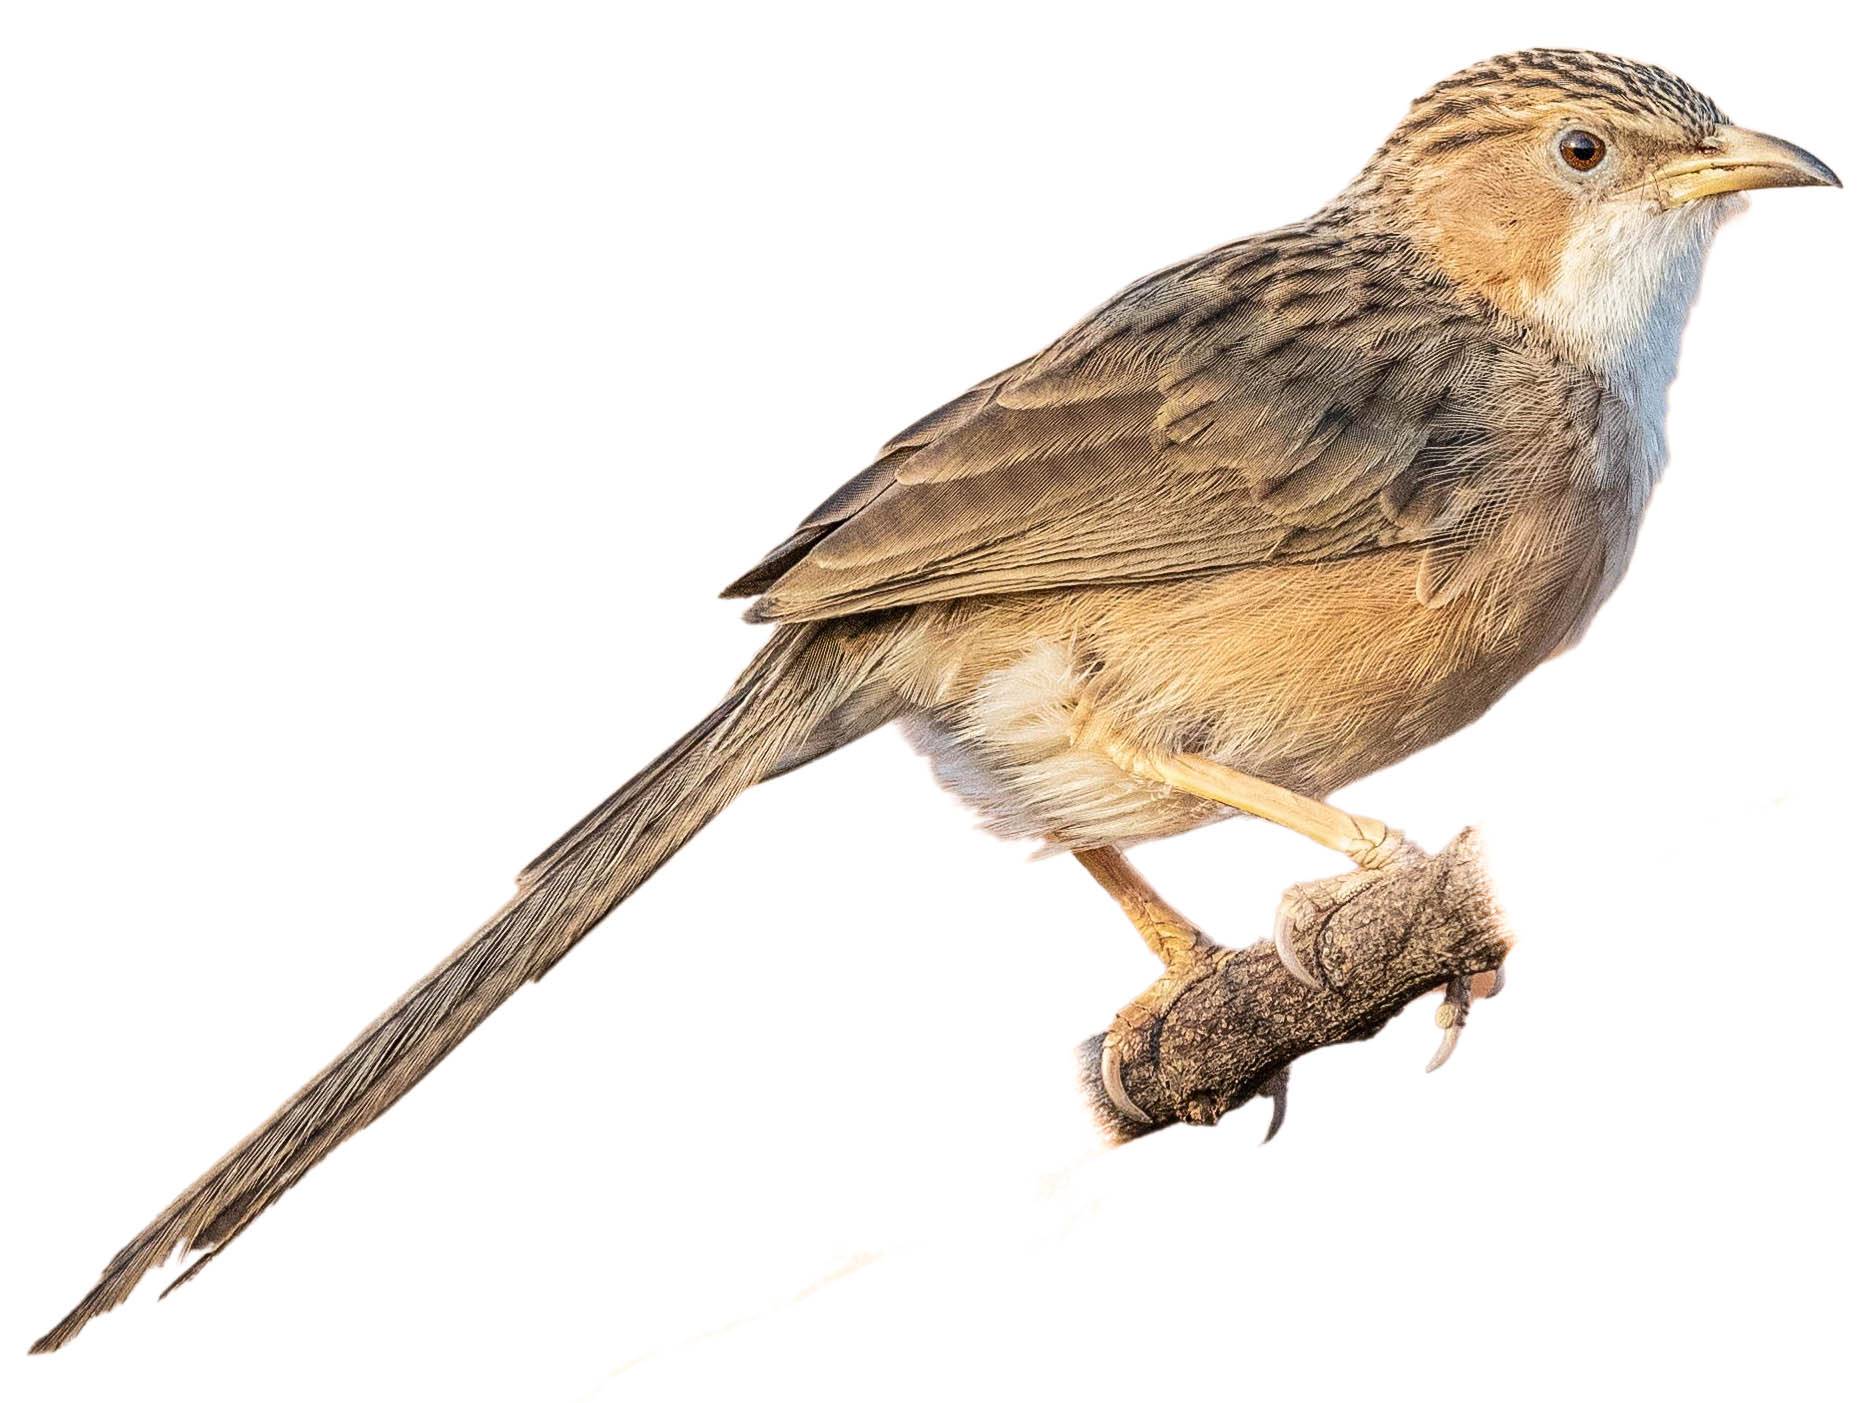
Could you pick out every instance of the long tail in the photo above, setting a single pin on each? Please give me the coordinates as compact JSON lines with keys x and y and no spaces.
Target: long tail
{"x":780,"y":713}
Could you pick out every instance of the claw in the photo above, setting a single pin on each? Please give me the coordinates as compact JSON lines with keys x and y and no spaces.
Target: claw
{"x":1451,"y":1017}
{"x":1283,"y":947}
{"x":1275,"y":1091}
{"x":1112,"y":1073}
{"x":1451,"y":1034}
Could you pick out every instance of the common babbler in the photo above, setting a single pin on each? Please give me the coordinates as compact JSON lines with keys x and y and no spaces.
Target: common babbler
{"x":1265,"y":522}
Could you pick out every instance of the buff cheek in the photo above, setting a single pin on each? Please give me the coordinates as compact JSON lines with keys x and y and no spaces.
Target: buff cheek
{"x":1498,"y":224}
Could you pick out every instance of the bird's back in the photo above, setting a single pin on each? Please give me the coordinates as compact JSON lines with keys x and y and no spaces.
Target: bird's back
{"x":1278,"y":399}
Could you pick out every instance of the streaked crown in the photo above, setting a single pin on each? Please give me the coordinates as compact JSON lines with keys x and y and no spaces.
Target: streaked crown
{"x":1520,"y":83}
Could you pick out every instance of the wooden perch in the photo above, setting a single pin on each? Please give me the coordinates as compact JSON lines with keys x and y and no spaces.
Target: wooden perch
{"x":1232,"y":1022}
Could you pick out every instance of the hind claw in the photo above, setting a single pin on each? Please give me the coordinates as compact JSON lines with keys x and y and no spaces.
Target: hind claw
{"x":1111,"y":1072}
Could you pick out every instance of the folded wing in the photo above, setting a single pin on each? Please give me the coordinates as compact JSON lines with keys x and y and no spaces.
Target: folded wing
{"x":1288,"y":398}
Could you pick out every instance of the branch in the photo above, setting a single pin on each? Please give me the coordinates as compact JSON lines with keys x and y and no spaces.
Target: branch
{"x":1232,"y":1023}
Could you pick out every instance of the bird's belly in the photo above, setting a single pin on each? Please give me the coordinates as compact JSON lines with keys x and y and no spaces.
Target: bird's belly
{"x":1307,"y":676}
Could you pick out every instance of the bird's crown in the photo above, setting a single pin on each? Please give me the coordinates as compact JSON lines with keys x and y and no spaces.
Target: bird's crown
{"x":1533,"y":79}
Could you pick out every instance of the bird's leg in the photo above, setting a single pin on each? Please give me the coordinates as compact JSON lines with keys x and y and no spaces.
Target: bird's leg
{"x":1366,"y":841}
{"x":1371,"y":844}
{"x":1172,"y":938}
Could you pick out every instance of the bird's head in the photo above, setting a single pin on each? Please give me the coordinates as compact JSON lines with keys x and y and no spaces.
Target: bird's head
{"x":1575,"y":191}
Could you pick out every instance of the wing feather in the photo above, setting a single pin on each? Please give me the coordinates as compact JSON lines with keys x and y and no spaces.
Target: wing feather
{"x":1282,"y":399}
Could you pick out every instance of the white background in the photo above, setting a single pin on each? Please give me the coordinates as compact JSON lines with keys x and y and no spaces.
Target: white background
{"x":388,"y":389}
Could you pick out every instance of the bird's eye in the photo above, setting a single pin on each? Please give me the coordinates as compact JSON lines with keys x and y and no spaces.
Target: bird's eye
{"x":1581,"y":150}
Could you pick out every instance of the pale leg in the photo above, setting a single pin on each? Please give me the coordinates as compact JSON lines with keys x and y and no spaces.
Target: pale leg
{"x":1171,"y":938}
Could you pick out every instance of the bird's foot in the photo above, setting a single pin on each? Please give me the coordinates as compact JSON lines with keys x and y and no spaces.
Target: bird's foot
{"x":1305,"y":906}
{"x":1128,"y":1036}
{"x":1452,"y":1013}
{"x":1192,"y":959}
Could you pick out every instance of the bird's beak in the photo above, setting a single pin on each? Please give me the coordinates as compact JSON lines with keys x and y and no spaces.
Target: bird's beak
{"x":1738,"y":159}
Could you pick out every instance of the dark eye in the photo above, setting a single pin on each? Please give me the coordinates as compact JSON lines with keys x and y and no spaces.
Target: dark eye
{"x":1582,"y":150}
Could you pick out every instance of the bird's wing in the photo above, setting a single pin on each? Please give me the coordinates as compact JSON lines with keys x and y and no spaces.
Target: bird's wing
{"x":1277,"y":400}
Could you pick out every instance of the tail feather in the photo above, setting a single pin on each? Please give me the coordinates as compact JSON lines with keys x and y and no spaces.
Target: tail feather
{"x":796,"y":682}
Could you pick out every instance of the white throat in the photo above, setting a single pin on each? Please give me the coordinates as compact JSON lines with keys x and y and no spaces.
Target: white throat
{"x":1626,"y":282}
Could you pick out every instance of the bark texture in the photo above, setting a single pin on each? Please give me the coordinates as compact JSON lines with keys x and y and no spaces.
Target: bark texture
{"x":1233,"y":1021}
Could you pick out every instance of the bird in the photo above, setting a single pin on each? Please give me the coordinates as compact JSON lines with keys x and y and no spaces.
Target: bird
{"x":1263,"y":523}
